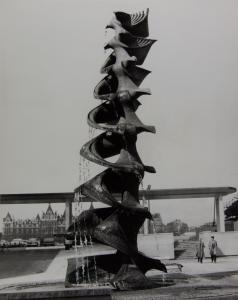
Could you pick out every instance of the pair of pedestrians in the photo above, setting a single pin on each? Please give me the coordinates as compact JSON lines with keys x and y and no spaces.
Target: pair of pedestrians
{"x":212,"y":248}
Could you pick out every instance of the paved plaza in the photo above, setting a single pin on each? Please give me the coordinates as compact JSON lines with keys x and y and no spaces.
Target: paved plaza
{"x":207,"y":280}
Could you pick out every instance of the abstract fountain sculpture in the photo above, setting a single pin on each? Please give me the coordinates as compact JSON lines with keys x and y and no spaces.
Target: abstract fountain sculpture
{"x":119,"y":224}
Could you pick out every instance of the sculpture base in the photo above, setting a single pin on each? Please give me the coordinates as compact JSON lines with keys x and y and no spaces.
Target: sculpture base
{"x":110,"y":271}
{"x":83,"y":271}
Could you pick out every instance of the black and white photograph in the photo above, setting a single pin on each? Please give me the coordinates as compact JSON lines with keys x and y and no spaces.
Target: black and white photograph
{"x":118,"y":149}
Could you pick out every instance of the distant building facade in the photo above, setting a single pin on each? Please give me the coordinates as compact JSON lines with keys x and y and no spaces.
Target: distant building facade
{"x":47,"y":225}
{"x":209,"y":226}
{"x":177,"y":227}
{"x":158,"y":224}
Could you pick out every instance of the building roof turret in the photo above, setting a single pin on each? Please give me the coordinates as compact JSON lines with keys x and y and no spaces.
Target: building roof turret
{"x":8,"y":218}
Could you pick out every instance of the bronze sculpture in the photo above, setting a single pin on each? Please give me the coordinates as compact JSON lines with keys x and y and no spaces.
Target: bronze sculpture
{"x":119,"y":224}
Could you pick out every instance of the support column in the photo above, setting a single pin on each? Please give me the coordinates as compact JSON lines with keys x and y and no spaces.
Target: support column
{"x":1,"y":222}
{"x":68,"y":214}
{"x":220,"y":218}
{"x":146,"y":224}
{"x":146,"y":203}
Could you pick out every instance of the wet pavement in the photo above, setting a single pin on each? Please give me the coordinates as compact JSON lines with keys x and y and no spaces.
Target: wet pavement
{"x":172,"y":286}
{"x":209,"y":286}
{"x":196,"y":281}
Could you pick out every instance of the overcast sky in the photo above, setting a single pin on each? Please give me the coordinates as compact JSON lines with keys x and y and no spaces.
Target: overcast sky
{"x":50,"y":56}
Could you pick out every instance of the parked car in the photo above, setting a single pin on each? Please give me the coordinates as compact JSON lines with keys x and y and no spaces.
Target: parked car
{"x":33,"y":242}
{"x":4,"y":243}
{"x":18,"y":243}
{"x":48,"y":241}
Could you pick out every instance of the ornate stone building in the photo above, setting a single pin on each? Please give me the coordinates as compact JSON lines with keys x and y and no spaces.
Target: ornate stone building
{"x":47,"y":225}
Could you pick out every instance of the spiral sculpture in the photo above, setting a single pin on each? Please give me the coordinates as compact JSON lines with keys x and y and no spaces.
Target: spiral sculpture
{"x":118,"y":225}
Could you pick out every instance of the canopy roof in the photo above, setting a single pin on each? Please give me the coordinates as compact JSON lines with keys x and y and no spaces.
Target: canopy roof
{"x":156,"y":194}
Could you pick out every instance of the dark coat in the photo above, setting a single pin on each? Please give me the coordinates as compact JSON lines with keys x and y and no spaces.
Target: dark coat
{"x":200,"y":250}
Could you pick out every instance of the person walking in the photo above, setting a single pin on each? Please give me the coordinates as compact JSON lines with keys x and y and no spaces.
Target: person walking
{"x":200,"y":251}
{"x":213,"y":249}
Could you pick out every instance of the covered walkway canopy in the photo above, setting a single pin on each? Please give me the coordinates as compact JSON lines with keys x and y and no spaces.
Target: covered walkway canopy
{"x":202,"y":192}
